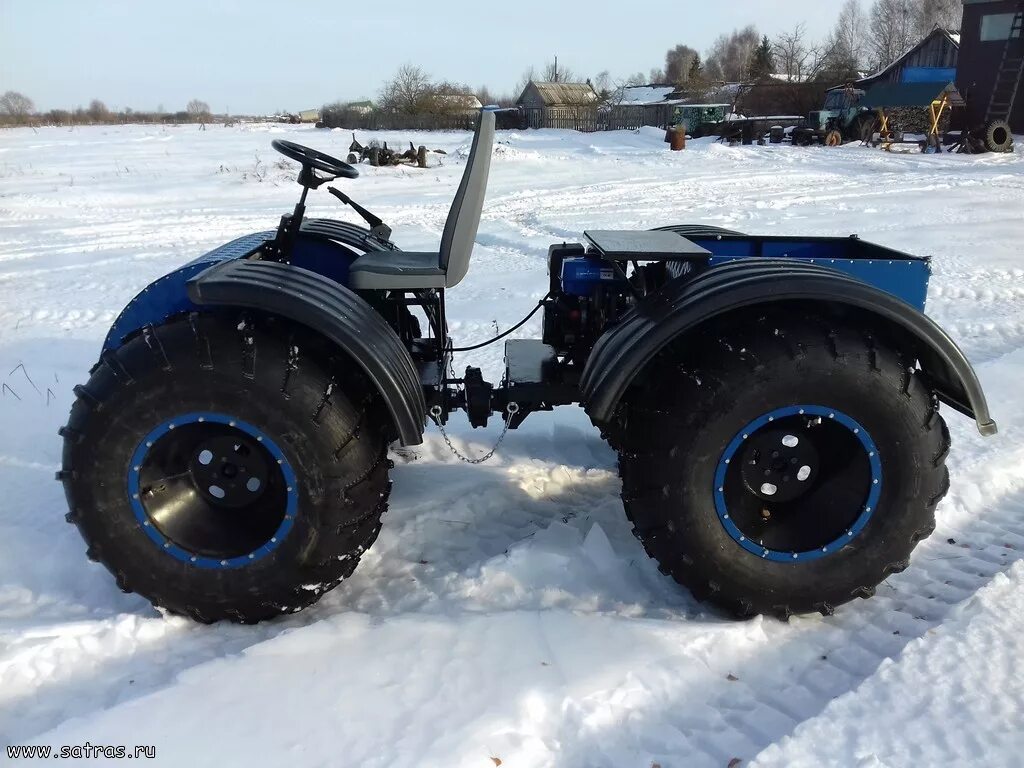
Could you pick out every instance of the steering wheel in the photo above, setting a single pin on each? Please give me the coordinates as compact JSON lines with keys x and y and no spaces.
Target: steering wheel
{"x":313,"y":158}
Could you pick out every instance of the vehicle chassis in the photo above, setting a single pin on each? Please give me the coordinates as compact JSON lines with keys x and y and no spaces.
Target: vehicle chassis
{"x":774,"y":402}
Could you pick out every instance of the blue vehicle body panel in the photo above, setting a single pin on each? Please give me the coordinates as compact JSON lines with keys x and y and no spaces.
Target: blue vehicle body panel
{"x":899,"y":274}
{"x":168,"y":295}
{"x":905,"y":277}
{"x":928,"y":75}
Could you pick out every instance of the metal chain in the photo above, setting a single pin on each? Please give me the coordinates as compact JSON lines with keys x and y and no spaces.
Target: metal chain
{"x":512,"y":409}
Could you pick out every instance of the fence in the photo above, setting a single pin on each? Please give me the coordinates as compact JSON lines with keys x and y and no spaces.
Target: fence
{"x":591,"y":118}
{"x":582,"y":118}
{"x":586,"y":119}
{"x":392,"y":121}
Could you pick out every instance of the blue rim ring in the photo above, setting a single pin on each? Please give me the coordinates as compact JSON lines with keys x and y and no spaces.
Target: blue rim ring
{"x":867,"y":510}
{"x":179,"y":553}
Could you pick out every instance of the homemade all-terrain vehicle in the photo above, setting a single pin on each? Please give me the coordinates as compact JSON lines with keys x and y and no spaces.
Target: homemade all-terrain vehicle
{"x":774,"y":402}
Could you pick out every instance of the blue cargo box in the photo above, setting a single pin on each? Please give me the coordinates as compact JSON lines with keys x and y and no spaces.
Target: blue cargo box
{"x":895,"y":272}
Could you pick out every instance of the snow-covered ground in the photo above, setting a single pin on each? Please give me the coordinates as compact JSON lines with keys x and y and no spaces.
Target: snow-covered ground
{"x":505,"y":615}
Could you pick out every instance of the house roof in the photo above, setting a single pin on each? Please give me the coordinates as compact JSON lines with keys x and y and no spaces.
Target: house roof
{"x":953,"y":37}
{"x":910,"y":95}
{"x":462,"y":100}
{"x":554,"y":94}
{"x":636,"y":95}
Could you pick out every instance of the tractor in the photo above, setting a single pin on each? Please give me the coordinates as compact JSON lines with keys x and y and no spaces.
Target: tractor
{"x":841,"y":120}
{"x":774,"y":403}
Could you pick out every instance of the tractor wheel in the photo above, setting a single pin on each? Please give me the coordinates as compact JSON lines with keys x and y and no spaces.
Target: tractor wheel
{"x":374,"y":156}
{"x":998,"y":137}
{"x":421,"y":157}
{"x":226,"y":468}
{"x":863,"y":128}
{"x":781,"y":466}
{"x":833,"y":138}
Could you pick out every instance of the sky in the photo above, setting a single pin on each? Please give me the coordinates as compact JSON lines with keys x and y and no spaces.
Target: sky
{"x":259,"y":56}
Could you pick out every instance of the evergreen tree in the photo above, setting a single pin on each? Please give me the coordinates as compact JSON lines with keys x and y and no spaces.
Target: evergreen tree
{"x":696,"y":68}
{"x":762,"y":64}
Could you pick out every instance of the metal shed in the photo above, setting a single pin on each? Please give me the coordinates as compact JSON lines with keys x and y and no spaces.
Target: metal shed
{"x":990,"y":42}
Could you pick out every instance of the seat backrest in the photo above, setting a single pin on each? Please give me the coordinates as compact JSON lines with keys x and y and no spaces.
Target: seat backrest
{"x":464,"y":216}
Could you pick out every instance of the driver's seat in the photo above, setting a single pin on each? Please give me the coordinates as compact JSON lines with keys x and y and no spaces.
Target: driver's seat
{"x":408,"y":270}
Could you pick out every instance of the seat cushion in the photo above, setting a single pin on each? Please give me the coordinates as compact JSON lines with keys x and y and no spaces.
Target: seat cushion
{"x":396,"y":269}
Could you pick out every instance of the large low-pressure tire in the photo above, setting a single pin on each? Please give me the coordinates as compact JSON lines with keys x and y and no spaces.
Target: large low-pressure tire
{"x":226,"y":467}
{"x":780,"y":464}
{"x":998,"y":137}
{"x":696,"y":230}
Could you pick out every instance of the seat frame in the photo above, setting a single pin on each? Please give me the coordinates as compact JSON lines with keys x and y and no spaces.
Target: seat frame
{"x":454,"y":255}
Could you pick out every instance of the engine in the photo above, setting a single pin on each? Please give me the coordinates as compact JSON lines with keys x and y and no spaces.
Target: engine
{"x":587,"y":293}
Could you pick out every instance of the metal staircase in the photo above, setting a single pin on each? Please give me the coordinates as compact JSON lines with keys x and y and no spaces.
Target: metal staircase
{"x":1011,"y":70}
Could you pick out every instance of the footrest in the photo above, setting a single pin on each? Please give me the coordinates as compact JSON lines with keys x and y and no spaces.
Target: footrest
{"x":638,"y":245}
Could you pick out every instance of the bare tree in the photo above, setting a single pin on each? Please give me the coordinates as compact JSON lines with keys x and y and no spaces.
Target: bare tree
{"x":892,"y":30}
{"x":558,"y":73}
{"x":730,"y":56}
{"x":484,"y":94}
{"x":603,"y":84}
{"x":198,"y":111}
{"x":17,"y":106}
{"x":850,"y":34}
{"x":98,"y":111}
{"x":792,"y":53}
{"x":797,"y":58}
{"x":656,"y":75}
{"x":447,"y":98}
{"x":408,"y":91}
{"x":947,"y":14}
{"x":846,"y":49}
{"x":529,"y":75}
{"x":677,"y":63}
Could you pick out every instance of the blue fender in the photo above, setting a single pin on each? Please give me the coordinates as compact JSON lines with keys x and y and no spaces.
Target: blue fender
{"x":325,"y":246}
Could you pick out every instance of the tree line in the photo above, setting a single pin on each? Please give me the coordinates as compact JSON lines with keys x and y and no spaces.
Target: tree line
{"x":864,"y":38}
{"x":18,"y":109}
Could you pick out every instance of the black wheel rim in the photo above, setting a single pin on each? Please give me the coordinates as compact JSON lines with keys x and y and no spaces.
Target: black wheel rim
{"x":798,"y":483}
{"x":212,"y":490}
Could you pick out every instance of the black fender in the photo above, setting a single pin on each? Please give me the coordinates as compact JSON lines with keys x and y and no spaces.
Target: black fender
{"x":680,"y":306}
{"x":347,"y":233}
{"x":333,"y":311}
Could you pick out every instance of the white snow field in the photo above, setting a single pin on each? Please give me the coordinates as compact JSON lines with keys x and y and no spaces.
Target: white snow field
{"x":505,"y":615}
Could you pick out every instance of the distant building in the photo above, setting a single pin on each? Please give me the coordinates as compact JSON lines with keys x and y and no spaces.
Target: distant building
{"x":309,"y":116}
{"x":985,"y":34}
{"x":559,"y":105}
{"x":644,"y":95}
{"x":557,"y":95}
{"x":933,"y":59}
{"x":360,"y":107}
{"x":457,"y":102}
